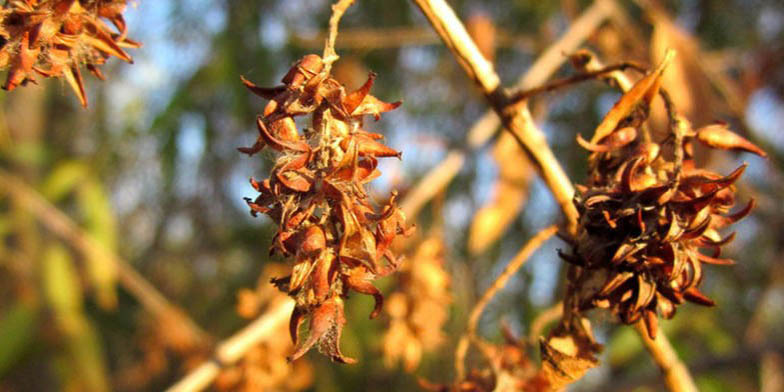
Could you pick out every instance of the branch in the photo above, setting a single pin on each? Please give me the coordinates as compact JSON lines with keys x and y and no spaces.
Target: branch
{"x":577,"y":78}
{"x":516,"y":118}
{"x":522,"y":256}
{"x":676,"y":374}
{"x":62,"y":226}
{"x":234,"y":348}
{"x":338,"y":9}
{"x":483,"y":129}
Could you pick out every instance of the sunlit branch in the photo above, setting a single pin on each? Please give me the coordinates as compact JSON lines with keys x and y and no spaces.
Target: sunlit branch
{"x":516,"y":118}
{"x":484,"y":128}
{"x":234,"y":348}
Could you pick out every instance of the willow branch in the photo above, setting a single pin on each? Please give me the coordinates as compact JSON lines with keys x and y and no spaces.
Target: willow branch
{"x":62,"y":226}
{"x":676,"y":374}
{"x":234,"y":348}
{"x":510,"y":270}
{"x":483,"y":129}
{"x":515,"y":118}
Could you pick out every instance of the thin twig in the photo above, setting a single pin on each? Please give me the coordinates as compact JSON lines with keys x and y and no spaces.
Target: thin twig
{"x":62,"y":226}
{"x":234,"y":348}
{"x":516,"y":118}
{"x":676,"y":374}
{"x":568,"y":81}
{"x":330,"y":56}
{"x":484,"y":128}
{"x":473,"y":320}
{"x":544,"y":318}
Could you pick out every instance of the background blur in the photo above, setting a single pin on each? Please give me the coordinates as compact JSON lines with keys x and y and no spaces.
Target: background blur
{"x":151,"y":172}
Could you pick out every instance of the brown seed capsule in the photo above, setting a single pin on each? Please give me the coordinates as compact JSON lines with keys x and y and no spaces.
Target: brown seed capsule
{"x":338,"y":240}
{"x":718,"y":136}
{"x":57,"y":38}
{"x":314,"y":240}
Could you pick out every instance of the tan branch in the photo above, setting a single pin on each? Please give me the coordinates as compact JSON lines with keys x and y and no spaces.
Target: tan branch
{"x":338,"y":9}
{"x":515,"y":118}
{"x":234,"y":348}
{"x":676,"y":374}
{"x":62,"y":226}
{"x":473,"y":320}
{"x":484,"y":128}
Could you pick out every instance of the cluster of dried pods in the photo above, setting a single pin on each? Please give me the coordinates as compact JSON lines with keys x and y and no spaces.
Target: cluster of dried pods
{"x":418,"y":309}
{"x":53,"y":38}
{"x":507,"y":368}
{"x":649,"y":218}
{"x":316,"y":195}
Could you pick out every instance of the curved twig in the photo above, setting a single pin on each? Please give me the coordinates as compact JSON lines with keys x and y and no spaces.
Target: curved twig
{"x":520,"y":258}
{"x":62,"y":226}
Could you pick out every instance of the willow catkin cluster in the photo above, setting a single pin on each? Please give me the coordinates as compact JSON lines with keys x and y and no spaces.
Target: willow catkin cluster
{"x":419,"y":309}
{"x":54,"y":38}
{"x":650,"y":220}
{"x":336,"y":238}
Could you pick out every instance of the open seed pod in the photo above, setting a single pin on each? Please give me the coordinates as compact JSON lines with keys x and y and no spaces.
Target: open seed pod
{"x":55,"y":38}
{"x":327,"y":225}
{"x":649,"y":221}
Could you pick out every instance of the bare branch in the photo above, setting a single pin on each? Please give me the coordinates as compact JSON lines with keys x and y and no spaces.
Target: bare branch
{"x":62,"y":226}
{"x":234,"y":348}
{"x":516,"y":118}
{"x":484,"y":128}
{"x":338,"y":9}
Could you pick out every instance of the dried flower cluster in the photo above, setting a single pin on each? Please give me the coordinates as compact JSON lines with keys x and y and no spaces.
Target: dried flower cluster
{"x":264,"y":367}
{"x":316,"y":195}
{"x":419,"y":310}
{"x":508,"y":368}
{"x":53,"y":38}
{"x":650,"y":220}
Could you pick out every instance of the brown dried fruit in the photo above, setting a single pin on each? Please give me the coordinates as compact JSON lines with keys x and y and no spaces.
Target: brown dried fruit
{"x":647,"y":220}
{"x":53,"y":38}
{"x":339,"y":241}
{"x":419,"y":309}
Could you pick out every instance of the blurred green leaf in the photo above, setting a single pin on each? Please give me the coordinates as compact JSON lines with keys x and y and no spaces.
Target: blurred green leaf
{"x":63,"y":179}
{"x":17,"y":328}
{"x":623,"y":346}
{"x":85,"y":368}
{"x":61,"y":282}
{"x":101,"y":225}
{"x":28,"y":153}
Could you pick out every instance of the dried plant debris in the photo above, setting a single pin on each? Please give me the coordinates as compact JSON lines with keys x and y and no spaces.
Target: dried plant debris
{"x":337,"y":239}
{"x":419,"y":308}
{"x":507,"y":367}
{"x":54,"y":38}
{"x":649,"y":218}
